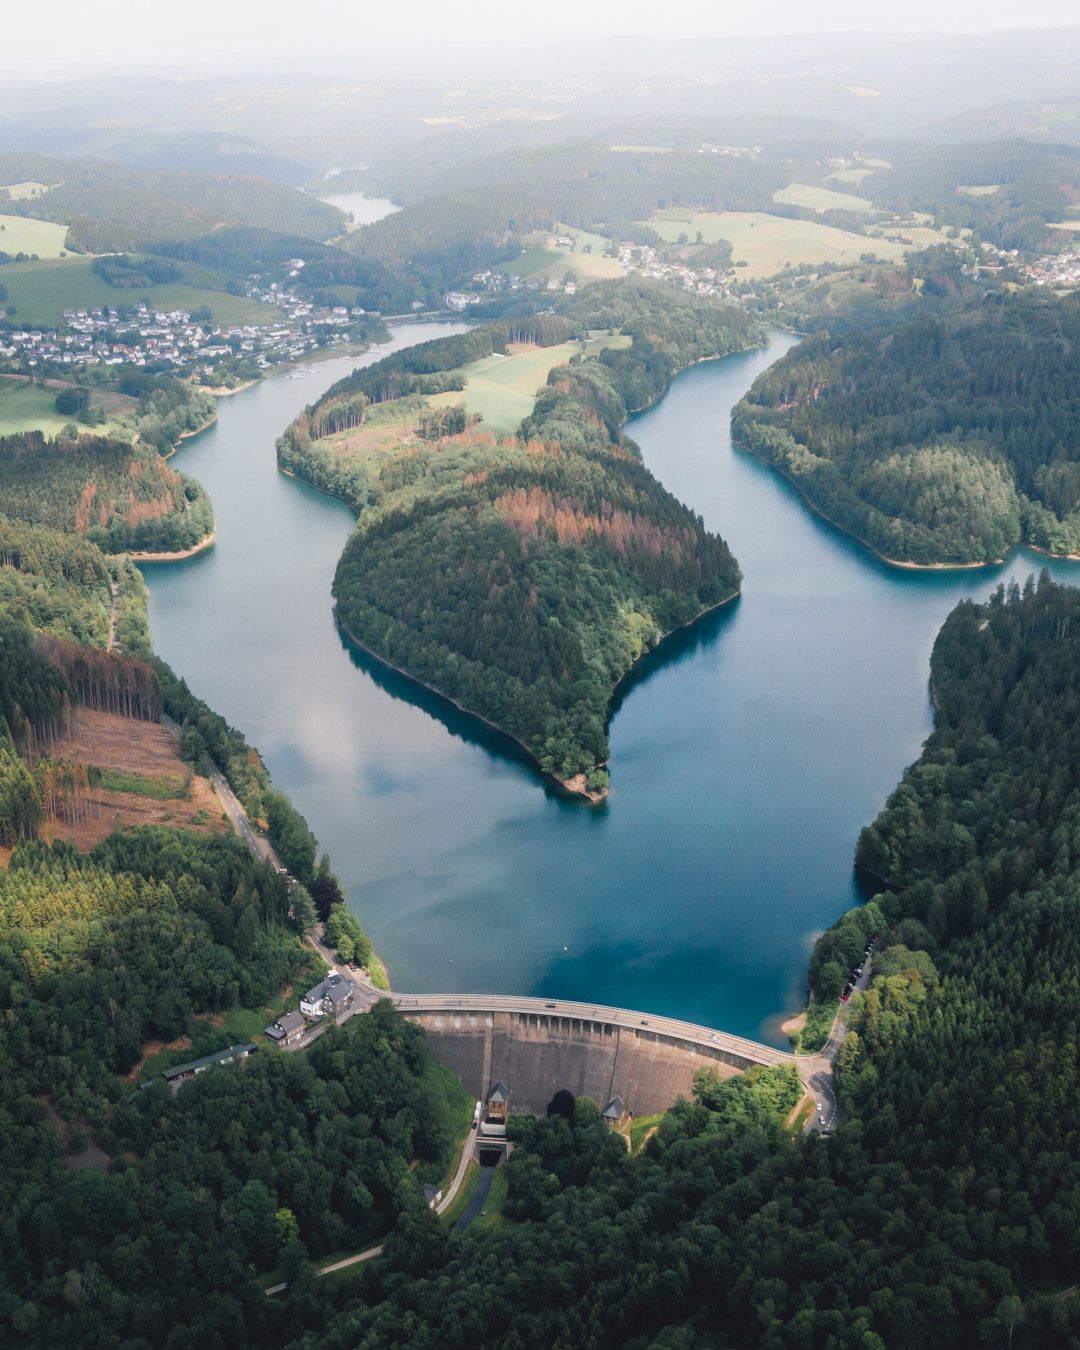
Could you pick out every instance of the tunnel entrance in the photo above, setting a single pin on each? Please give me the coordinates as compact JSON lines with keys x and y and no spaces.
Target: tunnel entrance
{"x":489,"y":1157}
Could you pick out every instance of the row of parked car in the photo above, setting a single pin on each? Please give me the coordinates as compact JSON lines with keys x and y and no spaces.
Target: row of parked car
{"x":857,"y":971}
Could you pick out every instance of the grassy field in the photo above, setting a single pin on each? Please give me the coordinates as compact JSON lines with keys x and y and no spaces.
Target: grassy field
{"x":873,"y":163}
{"x":816,"y":198}
{"x":641,"y":1128}
{"x":42,"y":291}
{"x":20,"y":234}
{"x":979,"y":189}
{"x":768,"y":243}
{"x":502,"y":389}
{"x":1065,"y":225}
{"x":531,"y":262}
{"x":640,"y":149}
{"x":21,"y":192}
{"x":25,"y":407}
{"x":853,"y":176}
{"x":585,"y":258}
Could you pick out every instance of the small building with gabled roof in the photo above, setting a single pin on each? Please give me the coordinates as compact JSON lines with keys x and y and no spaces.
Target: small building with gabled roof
{"x":615,"y":1113}
{"x":498,"y":1102}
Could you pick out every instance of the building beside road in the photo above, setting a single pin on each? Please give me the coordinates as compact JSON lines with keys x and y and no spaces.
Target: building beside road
{"x":288,"y":1029}
{"x":334,"y":995}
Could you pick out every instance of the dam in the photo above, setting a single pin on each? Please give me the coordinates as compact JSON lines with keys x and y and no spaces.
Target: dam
{"x":538,"y":1047}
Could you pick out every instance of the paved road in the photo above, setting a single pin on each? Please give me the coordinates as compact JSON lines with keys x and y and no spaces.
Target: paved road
{"x":822,"y":1081}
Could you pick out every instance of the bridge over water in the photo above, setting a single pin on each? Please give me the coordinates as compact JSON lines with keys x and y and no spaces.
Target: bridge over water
{"x":537,"y":1046}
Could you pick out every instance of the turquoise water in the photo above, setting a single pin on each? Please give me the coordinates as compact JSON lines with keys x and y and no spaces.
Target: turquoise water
{"x":746,"y":753}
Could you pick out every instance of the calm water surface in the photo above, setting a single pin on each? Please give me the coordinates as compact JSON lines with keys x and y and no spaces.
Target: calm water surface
{"x":365,"y":210}
{"x":746,"y":754}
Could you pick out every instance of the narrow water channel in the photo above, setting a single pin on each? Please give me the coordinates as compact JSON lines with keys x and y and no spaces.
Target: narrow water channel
{"x":746,"y":753}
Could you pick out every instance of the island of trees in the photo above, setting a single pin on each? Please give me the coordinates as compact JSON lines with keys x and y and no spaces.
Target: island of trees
{"x":940,"y":441}
{"x":522,"y":576}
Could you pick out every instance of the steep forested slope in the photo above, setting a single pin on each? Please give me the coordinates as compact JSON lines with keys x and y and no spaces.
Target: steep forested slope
{"x":945,"y":1211}
{"x":945,"y":441}
{"x":126,"y":1220}
{"x":120,"y":496}
{"x":522,"y":577}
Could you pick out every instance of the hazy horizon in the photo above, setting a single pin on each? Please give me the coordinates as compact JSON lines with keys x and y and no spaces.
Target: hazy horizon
{"x":276,"y":37}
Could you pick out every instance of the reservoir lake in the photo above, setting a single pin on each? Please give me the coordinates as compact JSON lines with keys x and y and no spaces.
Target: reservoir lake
{"x":747,"y":752}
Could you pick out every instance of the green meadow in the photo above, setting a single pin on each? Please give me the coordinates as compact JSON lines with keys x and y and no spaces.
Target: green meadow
{"x":502,"y":389}
{"x":852,"y":176}
{"x":585,"y":258}
{"x":41,"y":292}
{"x":21,"y":192}
{"x":816,"y":198}
{"x":21,"y":234}
{"x":28,"y":407}
{"x":768,"y":244}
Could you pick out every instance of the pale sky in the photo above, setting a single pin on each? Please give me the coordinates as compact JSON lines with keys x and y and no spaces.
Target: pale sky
{"x":122,"y":31}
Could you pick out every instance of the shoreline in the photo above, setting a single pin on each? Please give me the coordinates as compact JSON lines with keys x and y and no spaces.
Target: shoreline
{"x":562,"y":784}
{"x":576,"y":785}
{"x":850,"y":534}
{"x":206,"y":542}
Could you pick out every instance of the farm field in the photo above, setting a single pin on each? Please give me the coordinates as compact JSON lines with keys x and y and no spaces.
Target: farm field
{"x":979,"y":189}
{"x":133,"y":747}
{"x":1065,"y":225}
{"x":852,"y":176}
{"x":42,"y":291}
{"x":816,"y":198}
{"x":27,"y":407}
{"x":769,"y":243}
{"x":21,"y":192}
{"x":502,"y":389}
{"x":20,"y":234}
{"x":585,"y":258}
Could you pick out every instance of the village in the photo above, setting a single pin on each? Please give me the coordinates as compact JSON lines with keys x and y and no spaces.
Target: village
{"x":180,"y":341}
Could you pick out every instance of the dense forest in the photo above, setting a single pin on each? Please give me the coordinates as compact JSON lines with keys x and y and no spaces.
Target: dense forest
{"x":946,"y":440}
{"x":54,"y":582}
{"x":945,"y":1210}
{"x":523,"y":578}
{"x":143,"y":1218}
{"x":111,"y":209}
{"x":118,"y":495}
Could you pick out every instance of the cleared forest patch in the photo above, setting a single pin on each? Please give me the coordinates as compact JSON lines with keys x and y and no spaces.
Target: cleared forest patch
{"x":140,"y":759}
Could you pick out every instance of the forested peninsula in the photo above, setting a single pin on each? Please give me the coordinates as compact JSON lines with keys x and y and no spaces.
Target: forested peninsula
{"x":522,"y":575}
{"x":944,"y":441}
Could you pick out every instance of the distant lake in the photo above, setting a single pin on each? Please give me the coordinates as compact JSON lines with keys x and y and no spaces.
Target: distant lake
{"x":365,"y":210}
{"x":746,"y":753}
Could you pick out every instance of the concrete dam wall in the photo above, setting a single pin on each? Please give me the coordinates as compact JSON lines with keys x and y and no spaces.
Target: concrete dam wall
{"x":536,"y":1054}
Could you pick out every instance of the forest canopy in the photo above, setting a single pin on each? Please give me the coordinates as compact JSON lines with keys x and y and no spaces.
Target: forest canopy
{"x":944,"y":440}
{"x":523,"y":577}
